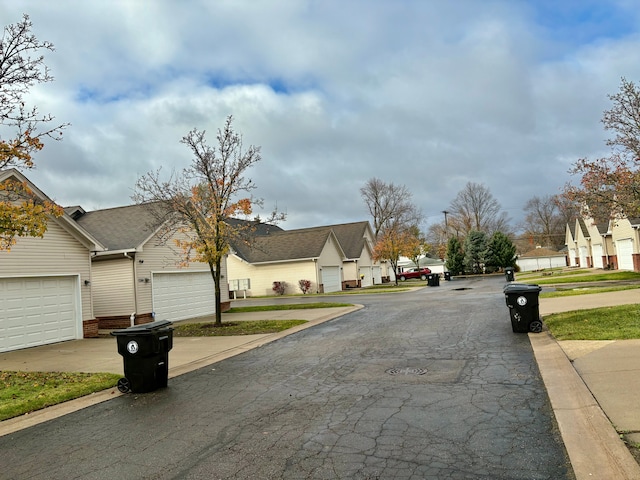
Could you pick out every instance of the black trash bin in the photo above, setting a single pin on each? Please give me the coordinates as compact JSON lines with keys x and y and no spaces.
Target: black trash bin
{"x":509,"y":274}
{"x":433,"y":280}
{"x":524,"y":310}
{"x":447,"y":276}
{"x":145,"y":350}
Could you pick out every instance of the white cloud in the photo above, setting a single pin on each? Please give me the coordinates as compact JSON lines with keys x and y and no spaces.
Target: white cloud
{"x":427,"y":94}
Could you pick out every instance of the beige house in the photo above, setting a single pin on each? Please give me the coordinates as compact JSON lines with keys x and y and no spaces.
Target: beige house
{"x":625,"y":239}
{"x":46,"y":283}
{"x":287,"y":256}
{"x":358,"y":267}
{"x":582,"y":244}
{"x":570,"y":242}
{"x":138,"y":277}
{"x":601,"y":244}
{"x":331,"y":257}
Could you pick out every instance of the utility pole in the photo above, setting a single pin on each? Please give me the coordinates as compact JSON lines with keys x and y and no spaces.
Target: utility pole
{"x":446,"y":225}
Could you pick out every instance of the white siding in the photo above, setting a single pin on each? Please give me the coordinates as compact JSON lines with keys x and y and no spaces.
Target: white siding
{"x":113,"y":287}
{"x":262,"y":276}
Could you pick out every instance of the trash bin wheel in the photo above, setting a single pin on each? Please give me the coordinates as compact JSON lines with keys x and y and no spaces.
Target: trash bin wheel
{"x":124,"y":386}
{"x":535,"y":326}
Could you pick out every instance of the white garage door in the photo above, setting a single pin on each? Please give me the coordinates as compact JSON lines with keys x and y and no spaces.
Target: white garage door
{"x":331,"y":279}
{"x":572,"y":258}
{"x":377,"y":275}
{"x":597,"y":256}
{"x":38,"y":311}
{"x":624,"y":249}
{"x":367,"y":279}
{"x":178,"y":296}
{"x":583,"y":257}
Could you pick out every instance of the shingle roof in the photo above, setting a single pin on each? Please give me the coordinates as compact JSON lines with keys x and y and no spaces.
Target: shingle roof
{"x":304,"y":243}
{"x":351,"y":237}
{"x":120,"y":228}
{"x":285,"y":245}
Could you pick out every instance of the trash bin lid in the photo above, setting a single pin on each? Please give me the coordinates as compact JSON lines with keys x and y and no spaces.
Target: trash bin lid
{"x":521,"y":288}
{"x":144,"y":328}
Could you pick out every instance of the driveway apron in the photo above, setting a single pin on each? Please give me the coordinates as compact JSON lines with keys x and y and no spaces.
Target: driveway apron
{"x":425,"y":384}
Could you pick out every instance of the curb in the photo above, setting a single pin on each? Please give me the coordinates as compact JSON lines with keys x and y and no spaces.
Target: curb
{"x":594,"y":447}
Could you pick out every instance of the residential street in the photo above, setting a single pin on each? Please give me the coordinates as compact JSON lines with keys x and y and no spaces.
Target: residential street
{"x":423,"y":384}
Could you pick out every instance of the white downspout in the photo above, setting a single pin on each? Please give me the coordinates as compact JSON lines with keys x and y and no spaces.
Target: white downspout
{"x":135,"y":289}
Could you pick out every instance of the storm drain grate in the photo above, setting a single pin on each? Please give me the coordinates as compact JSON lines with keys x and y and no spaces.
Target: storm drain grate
{"x":462,"y":288}
{"x":406,"y":371}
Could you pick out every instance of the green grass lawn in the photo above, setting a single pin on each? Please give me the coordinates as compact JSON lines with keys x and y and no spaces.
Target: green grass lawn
{"x":297,"y":306}
{"x":570,"y":292}
{"x":607,"y":323}
{"x":595,"y":277}
{"x":24,"y":392}
{"x":209,"y":329}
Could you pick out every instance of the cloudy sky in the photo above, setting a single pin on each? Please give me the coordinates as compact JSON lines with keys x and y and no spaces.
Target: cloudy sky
{"x":430,"y":94}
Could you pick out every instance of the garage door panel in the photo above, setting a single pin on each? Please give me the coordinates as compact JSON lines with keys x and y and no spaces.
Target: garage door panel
{"x":38,"y":310}
{"x":179,"y":296}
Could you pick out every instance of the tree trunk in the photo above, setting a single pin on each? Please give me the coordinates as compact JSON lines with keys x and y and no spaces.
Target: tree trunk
{"x":216,"y":274}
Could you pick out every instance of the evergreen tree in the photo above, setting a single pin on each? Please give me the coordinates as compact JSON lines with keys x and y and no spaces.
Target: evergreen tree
{"x":501,"y":252}
{"x":455,"y":256}
{"x":475,"y":248}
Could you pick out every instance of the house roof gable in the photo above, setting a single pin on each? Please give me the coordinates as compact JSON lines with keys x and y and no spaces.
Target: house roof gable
{"x":65,"y":220}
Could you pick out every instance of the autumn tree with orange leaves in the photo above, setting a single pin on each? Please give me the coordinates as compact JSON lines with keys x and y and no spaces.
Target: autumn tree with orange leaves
{"x":610,"y":186}
{"x":198,"y":208}
{"x":22,"y":131}
{"x":392,"y":243}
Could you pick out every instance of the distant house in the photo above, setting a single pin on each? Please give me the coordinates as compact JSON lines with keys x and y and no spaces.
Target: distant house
{"x":331,"y":257}
{"x":288,"y":256}
{"x":46,"y":283}
{"x":541,"y":259}
{"x":626,"y":243}
{"x":138,"y":276}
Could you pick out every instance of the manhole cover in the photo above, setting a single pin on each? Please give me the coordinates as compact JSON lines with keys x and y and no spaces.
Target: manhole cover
{"x":406,"y":371}
{"x":463,"y":288}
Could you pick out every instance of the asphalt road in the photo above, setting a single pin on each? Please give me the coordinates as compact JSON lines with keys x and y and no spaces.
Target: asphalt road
{"x":424,"y":384}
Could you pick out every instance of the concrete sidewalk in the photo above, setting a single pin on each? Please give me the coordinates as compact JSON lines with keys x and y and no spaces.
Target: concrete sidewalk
{"x":594,"y":390}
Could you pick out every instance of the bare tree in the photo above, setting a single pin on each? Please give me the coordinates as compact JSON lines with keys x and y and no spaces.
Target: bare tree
{"x":22,"y":213}
{"x":544,"y":223}
{"x":197,"y":204}
{"x":475,"y":209}
{"x":390,"y":206}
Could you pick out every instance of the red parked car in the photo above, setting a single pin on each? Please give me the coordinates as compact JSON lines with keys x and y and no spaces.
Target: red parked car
{"x":420,"y":273}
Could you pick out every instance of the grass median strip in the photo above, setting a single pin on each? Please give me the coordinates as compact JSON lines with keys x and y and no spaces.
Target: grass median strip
{"x":607,"y":323}
{"x":287,"y":306}
{"x":25,"y":392}
{"x":245,"y":327}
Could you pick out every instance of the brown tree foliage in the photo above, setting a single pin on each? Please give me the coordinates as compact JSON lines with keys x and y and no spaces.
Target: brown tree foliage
{"x":22,"y":213}
{"x":610,"y":186}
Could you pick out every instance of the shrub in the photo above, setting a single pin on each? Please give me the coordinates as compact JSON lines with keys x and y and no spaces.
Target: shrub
{"x":305,"y":286}
{"x":279,"y":287}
